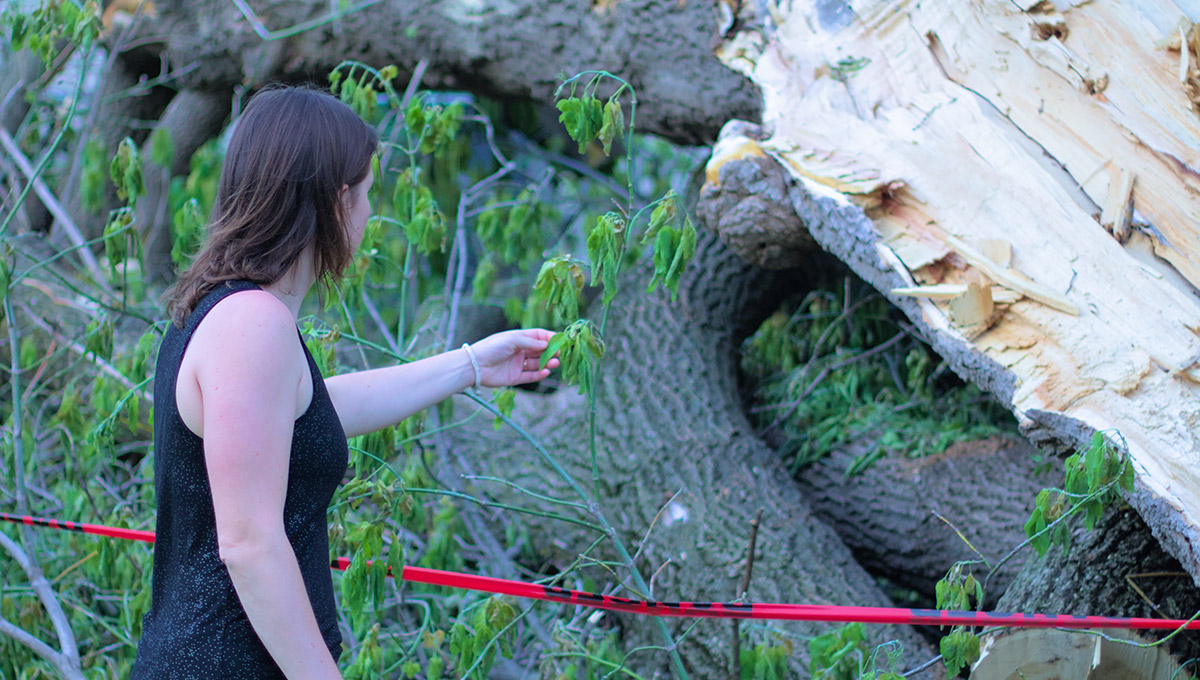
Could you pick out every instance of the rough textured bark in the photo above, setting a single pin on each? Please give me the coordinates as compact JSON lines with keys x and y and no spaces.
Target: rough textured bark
{"x":190,"y":119}
{"x":671,"y":422}
{"x":920,"y":136}
{"x":888,"y":515}
{"x":518,"y":48}
{"x":1098,"y":575}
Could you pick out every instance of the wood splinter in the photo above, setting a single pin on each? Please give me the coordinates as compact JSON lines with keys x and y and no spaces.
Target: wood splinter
{"x":1117,"y":218}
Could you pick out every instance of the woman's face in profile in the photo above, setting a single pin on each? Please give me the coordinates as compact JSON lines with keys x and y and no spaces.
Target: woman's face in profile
{"x":358,"y":209}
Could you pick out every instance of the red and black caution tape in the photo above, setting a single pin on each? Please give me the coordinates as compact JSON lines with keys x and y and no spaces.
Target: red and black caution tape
{"x":720,"y":610}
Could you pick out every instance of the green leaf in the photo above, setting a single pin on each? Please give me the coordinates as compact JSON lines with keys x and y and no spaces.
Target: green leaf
{"x":481,"y":283}
{"x":93,"y":177}
{"x":556,"y":343}
{"x":612,"y":125}
{"x":663,"y":214}
{"x":100,"y":338}
{"x":187,"y":232}
{"x":126,"y":172}
{"x":1126,"y":478}
{"x":684,"y":250}
{"x":582,"y":118}
{"x":504,"y":401}
{"x":605,"y":243}
{"x":162,"y":148}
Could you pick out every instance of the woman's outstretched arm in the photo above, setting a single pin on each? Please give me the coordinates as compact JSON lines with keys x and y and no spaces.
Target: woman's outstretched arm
{"x":249,"y":371}
{"x":370,"y":400}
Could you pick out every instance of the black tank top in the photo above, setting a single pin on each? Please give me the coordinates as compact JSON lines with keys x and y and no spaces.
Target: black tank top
{"x":196,"y":627}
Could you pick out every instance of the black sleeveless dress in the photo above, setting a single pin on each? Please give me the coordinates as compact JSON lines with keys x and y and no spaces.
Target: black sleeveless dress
{"x":196,"y":627}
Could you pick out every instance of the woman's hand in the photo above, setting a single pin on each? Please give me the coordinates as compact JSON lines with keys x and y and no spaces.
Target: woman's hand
{"x":513,"y":357}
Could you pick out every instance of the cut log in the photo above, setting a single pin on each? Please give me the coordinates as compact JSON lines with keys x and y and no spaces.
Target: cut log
{"x":1060,"y":654}
{"x":915,"y":133}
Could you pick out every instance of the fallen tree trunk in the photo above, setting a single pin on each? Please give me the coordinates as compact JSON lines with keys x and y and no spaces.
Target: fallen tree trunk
{"x":973,"y":147}
{"x":1117,"y":569}
{"x":673,"y":437}
{"x":516,"y":49}
{"x":910,"y":520}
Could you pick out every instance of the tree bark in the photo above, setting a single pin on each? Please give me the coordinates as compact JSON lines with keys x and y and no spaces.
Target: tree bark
{"x":190,"y":119}
{"x":901,"y":517}
{"x":985,"y":150}
{"x":1101,"y":575}
{"x":671,"y":428}
{"x":514,"y":49}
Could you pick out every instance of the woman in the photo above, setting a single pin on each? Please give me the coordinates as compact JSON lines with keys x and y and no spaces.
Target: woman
{"x":250,"y":442}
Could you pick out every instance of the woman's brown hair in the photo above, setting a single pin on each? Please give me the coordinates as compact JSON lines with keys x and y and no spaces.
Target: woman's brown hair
{"x":291,"y":152}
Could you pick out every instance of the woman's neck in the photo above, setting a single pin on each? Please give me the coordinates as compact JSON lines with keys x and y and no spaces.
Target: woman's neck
{"x":295,"y":284}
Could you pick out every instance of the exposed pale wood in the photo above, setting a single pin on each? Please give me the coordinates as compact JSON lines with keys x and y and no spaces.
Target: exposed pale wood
{"x":949,"y":291}
{"x":953,"y":124}
{"x":997,"y":250}
{"x":973,"y":310}
{"x":938,"y":291}
{"x":1012,"y":278}
{"x":1118,"y":207}
{"x":1063,"y":655}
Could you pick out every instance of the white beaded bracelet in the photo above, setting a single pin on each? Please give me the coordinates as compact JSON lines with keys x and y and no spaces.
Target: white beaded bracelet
{"x":474,"y":364}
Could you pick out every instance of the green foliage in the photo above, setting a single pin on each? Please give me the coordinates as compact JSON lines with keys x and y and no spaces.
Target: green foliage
{"x":423,"y":222}
{"x":577,"y":346}
{"x":959,"y":650}
{"x":504,"y":401}
{"x":86,"y":415}
{"x":841,"y":654}
{"x":955,"y":592}
{"x":576,"y":657}
{"x":162,"y":148}
{"x":558,"y":287}
{"x":838,"y":368}
{"x":673,"y":249}
{"x":187,"y":232}
{"x":1093,"y":481}
{"x":125,"y":169}
{"x":515,"y":238}
{"x":605,"y":245}
{"x":582,"y":117}
{"x":93,"y":176}
{"x":54,"y":22}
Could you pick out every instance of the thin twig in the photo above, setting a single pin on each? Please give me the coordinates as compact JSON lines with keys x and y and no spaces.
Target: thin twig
{"x":1129,"y":578}
{"x":56,"y":209}
{"x":646,"y":536}
{"x":923,"y":666}
{"x":736,"y":669}
{"x":413,"y":84}
{"x":964,"y":538}
{"x":38,"y":647}
{"x":79,"y":349}
{"x":268,"y":35}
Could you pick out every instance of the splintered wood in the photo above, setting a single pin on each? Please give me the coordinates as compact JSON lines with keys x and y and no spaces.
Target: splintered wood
{"x":1033,"y":174}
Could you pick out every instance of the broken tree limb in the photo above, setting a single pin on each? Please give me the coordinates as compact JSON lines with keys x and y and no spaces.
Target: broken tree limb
{"x":921,"y":131}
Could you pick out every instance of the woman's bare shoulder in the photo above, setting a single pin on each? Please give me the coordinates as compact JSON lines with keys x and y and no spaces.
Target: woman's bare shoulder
{"x":246,"y":328}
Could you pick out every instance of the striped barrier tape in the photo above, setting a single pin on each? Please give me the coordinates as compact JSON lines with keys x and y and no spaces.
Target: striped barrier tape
{"x":719,"y":610}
